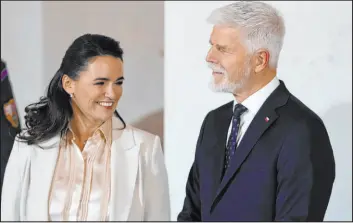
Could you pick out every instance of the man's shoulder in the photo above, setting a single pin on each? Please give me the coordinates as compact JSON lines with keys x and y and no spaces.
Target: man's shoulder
{"x":297,"y":111}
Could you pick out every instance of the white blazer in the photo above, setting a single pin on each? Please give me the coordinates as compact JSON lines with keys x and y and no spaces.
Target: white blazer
{"x":139,"y":190}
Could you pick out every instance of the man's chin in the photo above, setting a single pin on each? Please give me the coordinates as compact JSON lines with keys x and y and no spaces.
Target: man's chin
{"x":222,"y":87}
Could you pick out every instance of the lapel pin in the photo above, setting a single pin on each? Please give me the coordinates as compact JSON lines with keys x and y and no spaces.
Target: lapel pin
{"x":267,"y":119}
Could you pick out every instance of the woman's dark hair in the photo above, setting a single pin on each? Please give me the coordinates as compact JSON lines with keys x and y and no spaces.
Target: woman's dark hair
{"x":51,"y":115}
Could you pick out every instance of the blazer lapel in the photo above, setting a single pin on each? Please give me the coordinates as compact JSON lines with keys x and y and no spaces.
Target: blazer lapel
{"x":221,"y":125}
{"x":254,"y":132}
{"x":124,"y":168}
{"x":42,"y":173}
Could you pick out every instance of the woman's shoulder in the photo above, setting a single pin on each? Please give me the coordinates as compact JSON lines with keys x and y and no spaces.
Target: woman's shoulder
{"x":142,"y":134}
{"x":20,"y":147}
{"x":134,"y":132}
{"x":149,"y":143}
{"x":21,"y":144}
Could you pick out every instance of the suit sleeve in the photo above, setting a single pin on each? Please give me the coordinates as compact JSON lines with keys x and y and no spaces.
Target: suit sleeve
{"x":191,"y":210}
{"x":306,"y":172}
{"x":157,"y":188}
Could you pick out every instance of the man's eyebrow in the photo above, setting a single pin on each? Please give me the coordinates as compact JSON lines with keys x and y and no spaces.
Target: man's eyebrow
{"x":218,"y":45}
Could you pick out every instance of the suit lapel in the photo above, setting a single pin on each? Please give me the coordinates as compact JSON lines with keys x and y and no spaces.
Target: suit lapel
{"x":221,"y":125}
{"x":124,"y":168}
{"x":43,"y":172}
{"x":254,"y":132}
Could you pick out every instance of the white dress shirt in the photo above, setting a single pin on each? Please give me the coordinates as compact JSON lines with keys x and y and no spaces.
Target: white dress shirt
{"x":253,"y":103}
{"x":80,"y":188}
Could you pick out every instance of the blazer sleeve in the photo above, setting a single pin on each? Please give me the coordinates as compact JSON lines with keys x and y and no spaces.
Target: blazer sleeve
{"x":157,"y":204}
{"x":191,"y":210}
{"x":306,"y":172}
{"x":12,"y":184}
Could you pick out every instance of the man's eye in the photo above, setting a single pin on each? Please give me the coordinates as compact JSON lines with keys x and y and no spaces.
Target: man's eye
{"x":99,"y":83}
{"x":221,"y":49}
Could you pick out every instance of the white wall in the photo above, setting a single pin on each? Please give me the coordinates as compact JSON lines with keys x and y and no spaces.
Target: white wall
{"x":35,"y":36}
{"x":137,"y":25}
{"x":22,"y":50}
{"x":315,"y":65}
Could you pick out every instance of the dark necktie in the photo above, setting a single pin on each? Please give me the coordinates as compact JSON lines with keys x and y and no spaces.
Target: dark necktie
{"x":239,"y":109}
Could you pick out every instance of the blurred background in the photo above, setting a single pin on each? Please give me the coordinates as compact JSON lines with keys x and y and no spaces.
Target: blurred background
{"x":36,"y":34}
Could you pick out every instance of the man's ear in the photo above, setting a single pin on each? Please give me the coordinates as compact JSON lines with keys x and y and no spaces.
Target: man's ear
{"x":68,"y":84}
{"x":261,"y":59}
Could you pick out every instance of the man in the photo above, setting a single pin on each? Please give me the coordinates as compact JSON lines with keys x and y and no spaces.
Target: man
{"x":265,"y":156}
{"x":10,"y":124}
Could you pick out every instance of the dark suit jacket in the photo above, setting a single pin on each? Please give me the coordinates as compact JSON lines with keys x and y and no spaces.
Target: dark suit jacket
{"x":8,"y":129}
{"x":282,"y":170}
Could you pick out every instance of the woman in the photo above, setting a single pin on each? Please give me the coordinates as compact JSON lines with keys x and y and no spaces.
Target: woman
{"x":77,"y":159}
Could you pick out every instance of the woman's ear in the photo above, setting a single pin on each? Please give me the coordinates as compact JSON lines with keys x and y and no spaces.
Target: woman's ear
{"x":68,"y":84}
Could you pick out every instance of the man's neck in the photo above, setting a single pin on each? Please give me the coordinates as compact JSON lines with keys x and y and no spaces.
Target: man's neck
{"x":253,"y":87}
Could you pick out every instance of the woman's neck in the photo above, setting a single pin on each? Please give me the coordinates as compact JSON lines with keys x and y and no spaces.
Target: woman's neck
{"x":83,"y":129}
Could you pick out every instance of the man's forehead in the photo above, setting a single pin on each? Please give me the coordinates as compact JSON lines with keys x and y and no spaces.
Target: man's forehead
{"x":224,"y":35}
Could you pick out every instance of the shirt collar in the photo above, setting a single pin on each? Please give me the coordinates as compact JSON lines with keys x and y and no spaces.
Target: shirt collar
{"x":105,"y":131}
{"x":254,"y":102}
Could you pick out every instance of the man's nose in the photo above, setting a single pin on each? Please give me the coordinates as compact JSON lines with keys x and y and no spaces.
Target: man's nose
{"x":210,"y":57}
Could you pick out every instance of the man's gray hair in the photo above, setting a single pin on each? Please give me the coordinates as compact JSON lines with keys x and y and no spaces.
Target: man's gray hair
{"x":261,"y":24}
